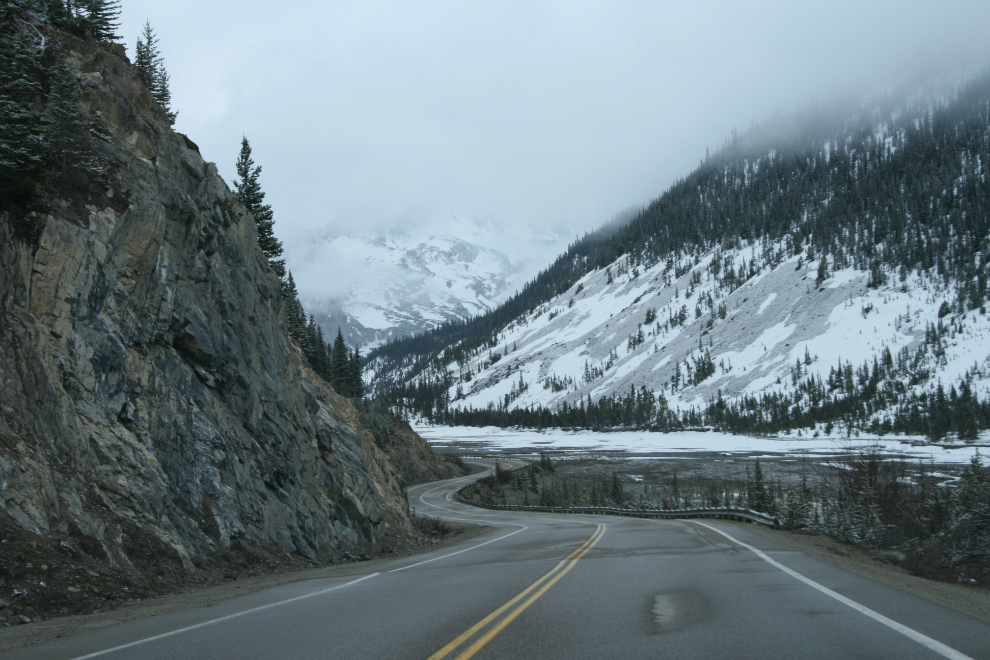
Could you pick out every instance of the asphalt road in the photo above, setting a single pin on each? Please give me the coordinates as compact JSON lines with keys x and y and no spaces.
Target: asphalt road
{"x":560,"y":586}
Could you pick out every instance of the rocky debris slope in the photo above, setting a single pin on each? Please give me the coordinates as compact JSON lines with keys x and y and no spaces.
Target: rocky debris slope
{"x":153,"y":414}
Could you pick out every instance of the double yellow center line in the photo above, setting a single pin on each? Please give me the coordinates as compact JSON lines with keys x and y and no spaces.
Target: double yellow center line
{"x":514,"y":607}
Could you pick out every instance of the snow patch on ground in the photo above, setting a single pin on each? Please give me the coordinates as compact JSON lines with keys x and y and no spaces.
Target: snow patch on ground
{"x":757,"y":334}
{"x":490,"y":438}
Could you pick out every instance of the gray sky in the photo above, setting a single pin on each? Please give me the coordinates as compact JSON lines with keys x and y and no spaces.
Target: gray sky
{"x":535,"y":115}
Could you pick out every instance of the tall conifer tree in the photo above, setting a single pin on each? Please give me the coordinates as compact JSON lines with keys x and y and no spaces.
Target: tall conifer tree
{"x":248,"y":192}
{"x":151,"y":69}
{"x":67,"y":130}
{"x":295,"y":317}
{"x":339,"y":364}
{"x":22,"y":147}
{"x":102,"y":18}
{"x":356,"y":385}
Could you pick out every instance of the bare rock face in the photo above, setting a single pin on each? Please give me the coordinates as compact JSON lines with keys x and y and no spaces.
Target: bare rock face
{"x":149,"y":396}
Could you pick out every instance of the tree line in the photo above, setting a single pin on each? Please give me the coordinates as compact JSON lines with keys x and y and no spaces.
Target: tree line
{"x":936,"y":521}
{"x":335,"y":363}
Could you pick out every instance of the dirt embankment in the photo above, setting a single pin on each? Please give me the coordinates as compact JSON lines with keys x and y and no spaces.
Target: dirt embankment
{"x":78,"y":596}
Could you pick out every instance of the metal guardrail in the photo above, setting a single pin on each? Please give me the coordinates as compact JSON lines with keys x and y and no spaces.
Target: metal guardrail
{"x":727,"y":513}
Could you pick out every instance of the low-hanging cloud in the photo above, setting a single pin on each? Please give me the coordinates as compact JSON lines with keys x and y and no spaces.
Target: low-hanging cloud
{"x":543,"y":115}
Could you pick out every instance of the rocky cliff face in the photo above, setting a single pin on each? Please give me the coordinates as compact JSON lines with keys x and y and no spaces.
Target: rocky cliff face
{"x":152,"y":410}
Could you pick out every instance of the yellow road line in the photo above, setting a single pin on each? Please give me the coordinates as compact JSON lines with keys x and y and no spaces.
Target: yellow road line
{"x":553,"y":576}
{"x":460,"y":639}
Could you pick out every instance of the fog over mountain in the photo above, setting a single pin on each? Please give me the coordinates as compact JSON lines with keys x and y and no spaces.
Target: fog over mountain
{"x":403,"y":280}
{"x":530,"y":116}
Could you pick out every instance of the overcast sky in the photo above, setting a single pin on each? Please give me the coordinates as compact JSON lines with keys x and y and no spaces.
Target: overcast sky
{"x":536,"y":115}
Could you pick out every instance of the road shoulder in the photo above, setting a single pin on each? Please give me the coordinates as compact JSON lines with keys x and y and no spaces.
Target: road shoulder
{"x":42,"y":632}
{"x":973,"y":601}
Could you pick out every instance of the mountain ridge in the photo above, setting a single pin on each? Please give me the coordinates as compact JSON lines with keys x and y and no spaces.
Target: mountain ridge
{"x":890,"y":197}
{"x":406,"y":284}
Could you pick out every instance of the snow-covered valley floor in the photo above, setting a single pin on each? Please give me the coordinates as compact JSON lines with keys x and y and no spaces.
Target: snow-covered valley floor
{"x":643,"y":444}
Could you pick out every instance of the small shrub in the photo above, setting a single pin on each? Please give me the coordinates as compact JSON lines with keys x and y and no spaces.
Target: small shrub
{"x":431,"y":525}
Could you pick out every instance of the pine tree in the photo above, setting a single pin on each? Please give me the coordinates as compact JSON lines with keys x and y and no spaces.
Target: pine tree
{"x":822,"y":271}
{"x":146,"y":56}
{"x":163,"y":94}
{"x":328,"y":363}
{"x":22,"y":148}
{"x":319,"y":350}
{"x":101,"y":19}
{"x":295,"y":317}
{"x":616,"y":492}
{"x":151,"y":70}
{"x":356,"y":384}
{"x":759,"y":498}
{"x":248,"y":192}
{"x":67,"y":130}
{"x":964,"y":415}
{"x":339,"y":370}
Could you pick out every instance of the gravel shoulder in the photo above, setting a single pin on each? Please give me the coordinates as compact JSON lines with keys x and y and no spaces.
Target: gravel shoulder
{"x":40,"y":632}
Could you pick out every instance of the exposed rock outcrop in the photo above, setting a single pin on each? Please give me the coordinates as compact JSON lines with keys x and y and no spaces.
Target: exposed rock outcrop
{"x":151,"y":403}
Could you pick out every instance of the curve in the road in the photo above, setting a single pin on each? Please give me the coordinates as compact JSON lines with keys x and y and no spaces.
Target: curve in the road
{"x":646,"y":589}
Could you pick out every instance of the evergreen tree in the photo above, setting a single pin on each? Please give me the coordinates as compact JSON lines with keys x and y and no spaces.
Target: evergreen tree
{"x":320,"y":364}
{"x":305,"y":332}
{"x":964,"y":417}
{"x":162,"y":93}
{"x":22,"y":148}
{"x":295,"y":317}
{"x":822,"y":271}
{"x":248,"y":192}
{"x":67,"y":130}
{"x":147,"y":56}
{"x":97,"y":19}
{"x":339,"y":371}
{"x":356,"y":384}
{"x":44,"y":132}
{"x":100,"y":18}
{"x":151,"y":69}
{"x":616,"y":492}
{"x":759,"y":498}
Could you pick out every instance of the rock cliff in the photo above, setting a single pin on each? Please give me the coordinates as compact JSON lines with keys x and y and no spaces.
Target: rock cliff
{"x":153,"y":412}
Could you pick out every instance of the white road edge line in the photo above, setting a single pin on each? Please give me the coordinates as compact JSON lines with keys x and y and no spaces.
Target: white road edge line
{"x":223,"y":618}
{"x":910,"y":633}
{"x":524,"y":528}
{"x":473,"y":520}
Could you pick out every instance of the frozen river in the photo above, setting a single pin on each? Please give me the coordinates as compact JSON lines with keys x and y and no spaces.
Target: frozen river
{"x":642,"y":444}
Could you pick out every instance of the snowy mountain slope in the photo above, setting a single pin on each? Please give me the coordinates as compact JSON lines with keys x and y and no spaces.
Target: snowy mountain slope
{"x":601,"y":344}
{"x":395,"y":285}
{"x":831,"y":272}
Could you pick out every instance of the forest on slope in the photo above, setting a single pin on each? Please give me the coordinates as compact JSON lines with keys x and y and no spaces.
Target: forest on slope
{"x":896,"y":189}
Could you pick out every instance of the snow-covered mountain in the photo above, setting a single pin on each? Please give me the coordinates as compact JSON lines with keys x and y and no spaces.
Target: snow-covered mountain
{"x":830,"y":272}
{"x":392,"y":284}
{"x":690,"y":339}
